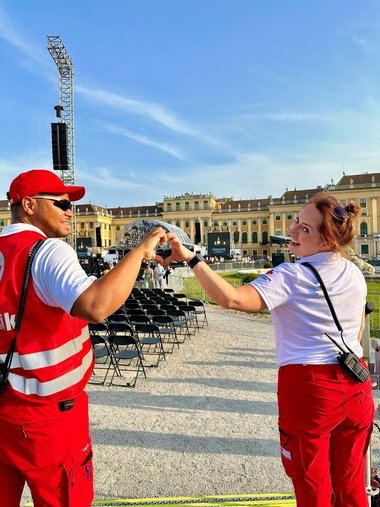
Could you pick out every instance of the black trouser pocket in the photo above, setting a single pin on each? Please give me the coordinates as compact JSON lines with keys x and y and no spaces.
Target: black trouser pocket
{"x":286,"y":448}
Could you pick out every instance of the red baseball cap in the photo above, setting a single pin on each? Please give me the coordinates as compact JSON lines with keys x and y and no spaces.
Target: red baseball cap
{"x":40,"y":181}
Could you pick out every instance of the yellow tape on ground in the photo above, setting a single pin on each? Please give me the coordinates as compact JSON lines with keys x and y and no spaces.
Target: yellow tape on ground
{"x":254,"y":500}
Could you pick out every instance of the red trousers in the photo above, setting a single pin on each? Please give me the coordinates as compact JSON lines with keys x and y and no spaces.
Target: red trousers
{"x":49,"y":449}
{"x":325,"y":423}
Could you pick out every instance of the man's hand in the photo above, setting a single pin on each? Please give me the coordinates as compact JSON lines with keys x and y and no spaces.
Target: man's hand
{"x":150,"y":242}
{"x":179,"y":251}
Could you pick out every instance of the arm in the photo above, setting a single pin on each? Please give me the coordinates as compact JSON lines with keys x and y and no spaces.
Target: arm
{"x":362,"y":326}
{"x":245,"y":298}
{"x":110,"y":291}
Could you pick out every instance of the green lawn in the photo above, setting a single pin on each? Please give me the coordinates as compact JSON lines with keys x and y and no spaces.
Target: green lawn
{"x":194,"y":291}
{"x":374,"y":296}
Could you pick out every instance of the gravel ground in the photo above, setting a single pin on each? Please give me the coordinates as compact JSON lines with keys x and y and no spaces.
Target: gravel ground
{"x":203,"y":423}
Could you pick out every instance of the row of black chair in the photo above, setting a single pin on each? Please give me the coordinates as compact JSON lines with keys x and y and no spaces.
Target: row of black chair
{"x":146,"y":327}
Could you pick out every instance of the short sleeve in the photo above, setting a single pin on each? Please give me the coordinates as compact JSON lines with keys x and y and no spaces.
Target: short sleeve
{"x":58,"y":277}
{"x":276,"y":285}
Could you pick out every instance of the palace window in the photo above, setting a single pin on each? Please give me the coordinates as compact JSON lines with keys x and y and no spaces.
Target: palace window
{"x":363,"y":229}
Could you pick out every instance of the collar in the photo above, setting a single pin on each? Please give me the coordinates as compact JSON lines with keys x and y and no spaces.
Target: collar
{"x":321,"y":257}
{"x":20,"y":227}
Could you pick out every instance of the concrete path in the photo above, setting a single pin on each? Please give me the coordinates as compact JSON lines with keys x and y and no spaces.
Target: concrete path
{"x":203,"y":423}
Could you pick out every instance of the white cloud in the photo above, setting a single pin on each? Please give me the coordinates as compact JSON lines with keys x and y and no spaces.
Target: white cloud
{"x":152,"y":110}
{"x":12,"y":34}
{"x":103,"y":178}
{"x":287,"y":116}
{"x":114,"y":129}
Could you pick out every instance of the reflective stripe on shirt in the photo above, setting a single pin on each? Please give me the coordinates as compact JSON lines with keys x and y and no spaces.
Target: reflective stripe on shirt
{"x":33,"y":386}
{"x":46,"y":358}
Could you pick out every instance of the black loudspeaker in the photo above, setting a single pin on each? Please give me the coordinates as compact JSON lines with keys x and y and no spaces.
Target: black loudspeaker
{"x":277,"y":258}
{"x":98,"y":236}
{"x":59,"y":146}
{"x":197,"y":233}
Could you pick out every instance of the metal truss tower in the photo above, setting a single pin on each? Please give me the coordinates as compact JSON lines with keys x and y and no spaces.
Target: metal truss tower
{"x":65,"y":111}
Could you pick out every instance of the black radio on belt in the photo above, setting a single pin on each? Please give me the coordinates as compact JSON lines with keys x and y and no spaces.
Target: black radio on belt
{"x":351,"y":363}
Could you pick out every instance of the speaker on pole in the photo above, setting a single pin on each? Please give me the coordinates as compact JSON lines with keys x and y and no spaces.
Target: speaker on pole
{"x":59,"y":146}
{"x":98,"y":235}
{"x":197,"y":232}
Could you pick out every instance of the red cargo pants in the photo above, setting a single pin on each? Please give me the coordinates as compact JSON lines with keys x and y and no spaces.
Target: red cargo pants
{"x":49,"y":449}
{"x":325,"y":423}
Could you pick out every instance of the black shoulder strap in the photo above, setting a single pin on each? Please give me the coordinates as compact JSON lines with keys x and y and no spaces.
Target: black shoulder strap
{"x":318,"y":277}
{"x":28,"y":269}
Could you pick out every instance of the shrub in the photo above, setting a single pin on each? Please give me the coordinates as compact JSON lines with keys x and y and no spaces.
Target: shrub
{"x":248,"y":278}
{"x":268,"y":265}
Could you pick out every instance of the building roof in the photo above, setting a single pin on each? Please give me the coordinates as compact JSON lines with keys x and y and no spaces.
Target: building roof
{"x":135,"y":210}
{"x":359,"y":179}
{"x":296,"y":195}
{"x":244,"y":204}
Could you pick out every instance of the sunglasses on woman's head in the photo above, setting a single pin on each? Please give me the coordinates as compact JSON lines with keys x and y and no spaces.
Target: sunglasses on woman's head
{"x":63,"y":204}
{"x":340,"y":213}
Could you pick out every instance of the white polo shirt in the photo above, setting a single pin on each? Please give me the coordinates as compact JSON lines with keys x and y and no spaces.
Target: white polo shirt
{"x":300,"y":311}
{"x":58,"y":277}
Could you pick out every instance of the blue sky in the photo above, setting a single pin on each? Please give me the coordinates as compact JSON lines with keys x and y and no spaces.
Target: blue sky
{"x":239,"y":98}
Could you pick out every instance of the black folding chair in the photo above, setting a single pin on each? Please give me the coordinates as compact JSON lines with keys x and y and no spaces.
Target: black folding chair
{"x":168,"y":331}
{"x":103,"y":359}
{"x":127,"y":357}
{"x":116,"y":318}
{"x":180,"y":321}
{"x":150,"y":341}
{"x":98,"y":328}
{"x":191,"y":317}
{"x":200,"y":310}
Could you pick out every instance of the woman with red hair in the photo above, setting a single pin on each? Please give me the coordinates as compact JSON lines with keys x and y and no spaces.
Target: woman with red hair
{"x":325,"y":414}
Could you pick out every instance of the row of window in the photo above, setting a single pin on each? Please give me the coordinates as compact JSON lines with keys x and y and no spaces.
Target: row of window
{"x":216,"y":223}
{"x":169,"y":206}
{"x":177,"y":207}
{"x":84,"y":225}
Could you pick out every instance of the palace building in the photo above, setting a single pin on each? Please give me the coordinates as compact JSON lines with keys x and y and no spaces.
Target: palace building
{"x":249,"y":227}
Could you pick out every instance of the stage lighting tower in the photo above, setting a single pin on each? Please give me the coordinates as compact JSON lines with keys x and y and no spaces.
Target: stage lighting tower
{"x":65,"y":112}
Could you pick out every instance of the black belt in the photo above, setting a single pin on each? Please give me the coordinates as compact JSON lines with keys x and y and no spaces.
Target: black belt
{"x":66,"y":405}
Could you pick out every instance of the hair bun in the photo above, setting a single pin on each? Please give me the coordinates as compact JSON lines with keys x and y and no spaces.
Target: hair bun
{"x":350,"y":208}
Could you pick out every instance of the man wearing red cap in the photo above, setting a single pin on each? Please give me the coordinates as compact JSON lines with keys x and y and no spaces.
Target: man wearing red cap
{"x":44,"y":428}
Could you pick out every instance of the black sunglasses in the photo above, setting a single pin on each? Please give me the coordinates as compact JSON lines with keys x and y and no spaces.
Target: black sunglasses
{"x":63,"y":204}
{"x":340,"y":213}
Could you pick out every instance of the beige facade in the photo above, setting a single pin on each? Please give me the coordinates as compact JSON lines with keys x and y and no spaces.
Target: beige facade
{"x":251,"y":223}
